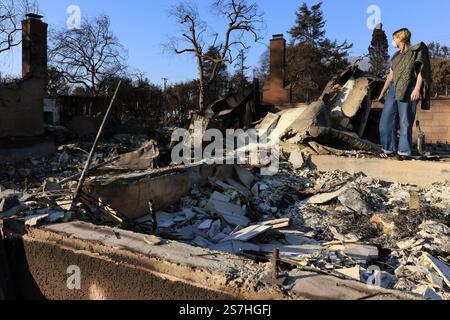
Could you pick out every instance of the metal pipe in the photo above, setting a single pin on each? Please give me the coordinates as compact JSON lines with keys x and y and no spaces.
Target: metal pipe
{"x":91,"y":154}
{"x":97,"y":166}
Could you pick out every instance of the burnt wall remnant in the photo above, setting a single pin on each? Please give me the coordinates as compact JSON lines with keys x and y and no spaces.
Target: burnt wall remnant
{"x":21,"y":102}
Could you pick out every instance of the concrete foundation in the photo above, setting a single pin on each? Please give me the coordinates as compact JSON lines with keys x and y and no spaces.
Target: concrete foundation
{"x":419,"y":173}
{"x":121,"y":265}
{"x":130,"y":194}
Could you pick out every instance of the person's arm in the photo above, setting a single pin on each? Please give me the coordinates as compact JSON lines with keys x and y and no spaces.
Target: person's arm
{"x":389,"y":80}
{"x":416,"y":95}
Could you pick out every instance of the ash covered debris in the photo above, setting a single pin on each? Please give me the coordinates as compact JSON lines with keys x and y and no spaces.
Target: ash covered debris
{"x":334,"y":223}
{"x":298,"y":222}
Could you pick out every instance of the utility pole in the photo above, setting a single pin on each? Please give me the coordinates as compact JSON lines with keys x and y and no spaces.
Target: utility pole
{"x":165,"y":83}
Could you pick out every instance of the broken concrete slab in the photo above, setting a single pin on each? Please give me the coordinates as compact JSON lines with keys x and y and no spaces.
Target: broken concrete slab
{"x":316,"y":115}
{"x":428,"y":293}
{"x":33,"y":220}
{"x":222,"y":207}
{"x":245,"y":176}
{"x":51,"y":184}
{"x":165,"y":220}
{"x":248,"y":233}
{"x":352,"y":200}
{"x":435,"y":280}
{"x":239,"y":188}
{"x":296,"y":159}
{"x":231,"y":213}
{"x":312,"y":286}
{"x":220,"y":197}
{"x":284,"y":125}
{"x":409,"y":244}
{"x":326,"y":197}
{"x":205,"y":225}
{"x":269,"y":123}
{"x":362,"y":254}
{"x":297,"y":238}
{"x":292,"y":252}
{"x":351,"y":273}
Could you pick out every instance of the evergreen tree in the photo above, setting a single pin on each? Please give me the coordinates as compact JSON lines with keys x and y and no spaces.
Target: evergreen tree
{"x":378,"y":53}
{"x":310,"y":25}
{"x":313,"y":59}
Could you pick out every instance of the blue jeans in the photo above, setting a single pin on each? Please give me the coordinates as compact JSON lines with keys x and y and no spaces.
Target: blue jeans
{"x":396,"y":112}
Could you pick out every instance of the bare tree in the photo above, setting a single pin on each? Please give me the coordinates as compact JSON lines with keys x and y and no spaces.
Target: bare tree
{"x":242,"y":18}
{"x":11,"y":14}
{"x":89,"y":56}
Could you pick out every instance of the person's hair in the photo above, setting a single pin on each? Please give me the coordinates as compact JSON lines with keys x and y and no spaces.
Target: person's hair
{"x":404,"y":34}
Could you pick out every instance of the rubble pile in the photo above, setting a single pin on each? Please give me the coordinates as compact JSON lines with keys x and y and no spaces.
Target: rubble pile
{"x":336,"y":223}
{"x":42,"y":189}
{"x":347,"y":226}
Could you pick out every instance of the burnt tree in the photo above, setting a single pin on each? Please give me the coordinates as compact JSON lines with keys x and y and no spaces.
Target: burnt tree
{"x":243,"y":18}
{"x":89,"y":56}
{"x":11,"y":14}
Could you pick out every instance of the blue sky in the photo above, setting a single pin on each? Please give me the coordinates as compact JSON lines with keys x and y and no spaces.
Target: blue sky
{"x":143,"y":26}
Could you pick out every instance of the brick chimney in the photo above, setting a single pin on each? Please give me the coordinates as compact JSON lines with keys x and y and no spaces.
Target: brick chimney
{"x":275,"y":91}
{"x":34,"y":47}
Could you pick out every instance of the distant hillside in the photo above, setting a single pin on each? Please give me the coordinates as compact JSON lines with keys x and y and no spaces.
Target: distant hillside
{"x":363,"y":65}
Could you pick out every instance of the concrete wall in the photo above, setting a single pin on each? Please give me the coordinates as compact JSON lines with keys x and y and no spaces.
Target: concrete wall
{"x":130,"y":194}
{"x":436,"y":122}
{"x":120,"y":265}
{"x":21,"y":103}
{"x":21,"y":108}
{"x":43,"y":269}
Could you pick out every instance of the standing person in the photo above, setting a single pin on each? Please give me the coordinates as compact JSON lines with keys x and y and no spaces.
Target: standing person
{"x":408,"y":82}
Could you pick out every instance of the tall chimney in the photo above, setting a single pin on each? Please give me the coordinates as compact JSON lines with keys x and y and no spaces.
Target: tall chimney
{"x":275,"y":91}
{"x":277,"y":59}
{"x":34,"y":47}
